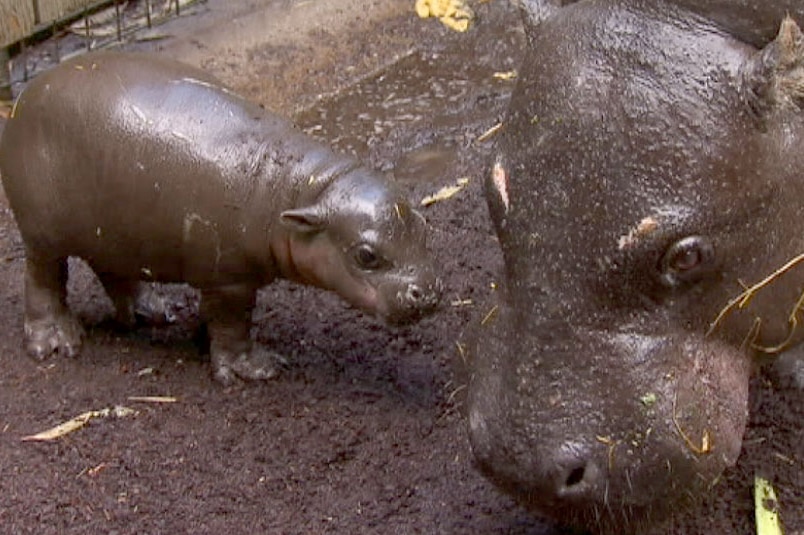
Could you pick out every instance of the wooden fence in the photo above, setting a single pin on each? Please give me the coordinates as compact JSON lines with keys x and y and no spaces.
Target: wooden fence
{"x":21,"y":19}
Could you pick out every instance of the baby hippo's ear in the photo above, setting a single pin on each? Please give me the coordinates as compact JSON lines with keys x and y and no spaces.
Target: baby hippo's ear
{"x":774,"y":78}
{"x":305,"y":220}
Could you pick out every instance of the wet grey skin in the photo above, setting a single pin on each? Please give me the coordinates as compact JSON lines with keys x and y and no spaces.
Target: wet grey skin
{"x":649,"y":166}
{"x":752,"y":21}
{"x":151,"y":170}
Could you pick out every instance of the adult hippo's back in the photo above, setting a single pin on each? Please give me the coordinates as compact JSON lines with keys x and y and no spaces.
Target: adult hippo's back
{"x":152,"y":170}
{"x":752,"y":21}
{"x":651,"y":165}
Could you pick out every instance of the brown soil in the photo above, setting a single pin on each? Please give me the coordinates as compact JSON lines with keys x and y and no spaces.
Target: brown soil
{"x":361,"y":433}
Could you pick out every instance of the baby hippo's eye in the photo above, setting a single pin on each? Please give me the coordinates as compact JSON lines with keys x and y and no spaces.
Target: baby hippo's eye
{"x":367,"y":257}
{"x":687,"y":260}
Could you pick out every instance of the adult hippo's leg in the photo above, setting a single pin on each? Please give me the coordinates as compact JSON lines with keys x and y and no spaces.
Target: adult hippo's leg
{"x":228,"y":313}
{"x":49,"y":326}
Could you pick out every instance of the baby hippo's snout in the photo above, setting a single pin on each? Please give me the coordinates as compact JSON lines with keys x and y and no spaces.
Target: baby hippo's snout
{"x":422,"y":298}
{"x":416,"y":296}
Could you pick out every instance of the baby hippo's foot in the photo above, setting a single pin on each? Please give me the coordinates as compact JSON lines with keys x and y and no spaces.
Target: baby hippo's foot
{"x":139,"y":303}
{"x":254,"y":364}
{"x":154,"y":306}
{"x":57,"y":334}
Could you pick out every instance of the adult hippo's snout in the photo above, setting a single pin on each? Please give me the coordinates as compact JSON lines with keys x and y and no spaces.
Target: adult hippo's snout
{"x":646,"y":175}
{"x":645,"y":419}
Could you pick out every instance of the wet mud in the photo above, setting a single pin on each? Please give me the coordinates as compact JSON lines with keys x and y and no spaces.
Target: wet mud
{"x":362,"y":431}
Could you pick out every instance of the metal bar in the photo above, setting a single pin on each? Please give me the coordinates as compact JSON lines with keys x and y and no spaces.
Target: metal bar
{"x":37,"y":12}
{"x":24,"y":56}
{"x":56,"y":49}
{"x":119,"y":22}
{"x":5,"y":74}
{"x":86,"y":28}
{"x":148,"y":13}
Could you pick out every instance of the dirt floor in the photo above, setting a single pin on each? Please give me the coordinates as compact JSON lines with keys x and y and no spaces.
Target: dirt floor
{"x":361,"y":432}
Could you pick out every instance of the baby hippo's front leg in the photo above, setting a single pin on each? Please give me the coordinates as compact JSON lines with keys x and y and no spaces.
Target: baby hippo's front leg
{"x":227,"y":311}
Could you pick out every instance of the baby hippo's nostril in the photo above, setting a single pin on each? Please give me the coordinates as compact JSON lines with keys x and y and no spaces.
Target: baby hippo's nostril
{"x":415,"y":293}
{"x":423,"y":298}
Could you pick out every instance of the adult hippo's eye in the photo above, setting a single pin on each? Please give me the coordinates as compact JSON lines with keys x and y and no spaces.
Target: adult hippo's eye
{"x":687,"y":260}
{"x":367,"y":258}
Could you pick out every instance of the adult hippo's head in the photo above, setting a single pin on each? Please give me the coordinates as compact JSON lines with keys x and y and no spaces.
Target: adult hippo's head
{"x":650,"y":168}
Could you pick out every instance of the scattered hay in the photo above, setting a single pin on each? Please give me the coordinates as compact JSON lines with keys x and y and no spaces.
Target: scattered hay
{"x":445,"y":193}
{"x":488,"y":134}
{"x":743,"y":299}
{"x":706,"y":439}
{"x":611,"y":444}
{"x":505,"y":76}
{"x":78,"y":422}
{"x":153,"y":399}
{"x":488,"y":316}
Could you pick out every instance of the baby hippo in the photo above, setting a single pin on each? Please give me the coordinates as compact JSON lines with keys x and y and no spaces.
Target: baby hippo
{"x":151,"y":170}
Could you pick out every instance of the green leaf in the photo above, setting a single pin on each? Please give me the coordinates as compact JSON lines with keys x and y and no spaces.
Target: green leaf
{"x":766,"y":507}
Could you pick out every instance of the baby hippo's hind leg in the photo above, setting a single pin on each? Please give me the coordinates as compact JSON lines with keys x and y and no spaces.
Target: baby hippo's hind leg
{"x":135,"y":302}
{"x":123,"y":293}
{"x":50,"y":327}
{"x":227,"y":312}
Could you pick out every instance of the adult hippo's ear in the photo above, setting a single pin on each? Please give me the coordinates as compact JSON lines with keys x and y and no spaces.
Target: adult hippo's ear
{"x":534,"y":12}
{"x":751,"y":21}
{"x":774,"y":78}
{"x":308,"y":219}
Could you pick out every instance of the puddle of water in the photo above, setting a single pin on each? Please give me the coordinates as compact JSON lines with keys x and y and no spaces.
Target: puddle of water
{"x":413,"y":118}
{"x":426,"y":163}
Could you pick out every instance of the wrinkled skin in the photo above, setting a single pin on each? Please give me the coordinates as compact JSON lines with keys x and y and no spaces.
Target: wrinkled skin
{"x":650,"y":163}
{"x":151,"y":170}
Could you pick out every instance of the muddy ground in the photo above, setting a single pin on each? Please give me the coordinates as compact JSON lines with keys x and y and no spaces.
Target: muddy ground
{"x":361,"y":432}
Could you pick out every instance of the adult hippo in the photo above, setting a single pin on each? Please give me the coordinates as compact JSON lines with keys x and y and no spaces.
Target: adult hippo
{"x":651,"y":168}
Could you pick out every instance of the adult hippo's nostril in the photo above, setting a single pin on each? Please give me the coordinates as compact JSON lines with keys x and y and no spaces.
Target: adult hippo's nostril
{"x":577,"y":476}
